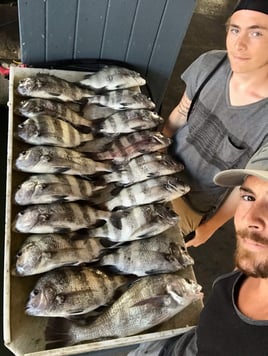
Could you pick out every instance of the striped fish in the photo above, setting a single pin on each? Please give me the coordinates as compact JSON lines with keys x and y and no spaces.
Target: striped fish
{"x":157,"y":254}
{"x":127,"y":121}
{"x":49,"y":159}
{"x":136,"y":223}
{"x":143,"y":167}
{"x":49,"y":188}
{"x":40,"y":253}
{"x":113,"y":78}
{"x":126,"y":147}
{"x":38,"y":106}
{"x":70,"y":291}
{"x":48,"y":130}
{"x":160,"y":189}
{"x":122,"y":100}
{"x":57,"y":218}
{"x":46,"y":86}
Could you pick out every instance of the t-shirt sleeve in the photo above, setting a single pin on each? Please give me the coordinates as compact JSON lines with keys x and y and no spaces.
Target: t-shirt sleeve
{"x":198,"y":71}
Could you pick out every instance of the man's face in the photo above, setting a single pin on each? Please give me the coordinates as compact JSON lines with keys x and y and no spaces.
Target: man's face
{"x":247,"y":41}
{"x":251,"y":224}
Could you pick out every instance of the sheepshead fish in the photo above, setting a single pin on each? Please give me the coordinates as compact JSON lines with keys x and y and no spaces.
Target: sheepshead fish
{"x":46,"y":86}
{"x":38,"y":106}
{"x":155,"y":190}
{"x":132,"y":145}
{"x":158,"y":254}
{"x":113,"y":78}
{"x":148,"y":302}
{"x":143,"y":167}
{"x":71,"y":291}
{"x":122,"y":100}
{"x":99,"y":144}
{"x":49,"y":159}
{"x":57,"y":218}
{"x":127,"y":121}
{"x":96,"y":112}
{"x":136,"y":223}
{"x":50,"y":188}
{"x":48,"y":130}
{"x":40,"y":253}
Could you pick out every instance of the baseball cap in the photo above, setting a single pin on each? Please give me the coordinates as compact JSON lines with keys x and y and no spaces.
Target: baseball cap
{"x":257,"y":166}
{"x":255,"y":5}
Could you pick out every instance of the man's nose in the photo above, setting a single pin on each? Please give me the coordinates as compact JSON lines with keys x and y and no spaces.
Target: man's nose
{"x":255,"y":218}
{"x":241,"y":42}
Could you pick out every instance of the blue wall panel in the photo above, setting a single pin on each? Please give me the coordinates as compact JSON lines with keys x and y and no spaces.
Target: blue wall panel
{"x":147,"y":34}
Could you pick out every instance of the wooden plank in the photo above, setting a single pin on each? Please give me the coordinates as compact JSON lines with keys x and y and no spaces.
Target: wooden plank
{"x":144,"y":32}
{"x":171,"y":32}
{"x":118,"y":29}
{"x":32,"y":30}
{"x":61,"y":29}
{"x":91,"y":16}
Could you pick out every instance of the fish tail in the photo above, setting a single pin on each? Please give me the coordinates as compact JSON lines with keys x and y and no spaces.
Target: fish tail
{"x":58,"y":333}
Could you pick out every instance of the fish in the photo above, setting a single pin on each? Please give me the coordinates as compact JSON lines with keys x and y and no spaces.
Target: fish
{"x":148,"y":302}
{"x":157,"y":254}
{"x":99,"y":144}
{"x":95,"y":112}
{"x":143,"y":167}
{"x":38,"y":106}
{"x":155,"y":190}
{"x":50,"y":188}
{"x":47,"y":130}
{"x":136,"y":223}
{"x":72,"y":291}
{"x":122,"y":100}
{"x":49,"y":159}
{"x":40,"y":253}
{"x":47,"y":86}
{"x":57,"y":218}
{"x":113,"y":78}
{"x":126,"y":147}
{"x":127,"y":121}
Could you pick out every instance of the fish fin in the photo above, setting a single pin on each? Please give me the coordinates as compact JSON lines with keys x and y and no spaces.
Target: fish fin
{"x":57,"y":333}
{"x":155,"y":301}
{"x":60,"y":169}
{"x":111,"y":268}
{"x":54,"y":94}
{"x":61,"y":198}
{"x":61,"y":230}
{"x":108,"y":243}
{"x":84,"y":129}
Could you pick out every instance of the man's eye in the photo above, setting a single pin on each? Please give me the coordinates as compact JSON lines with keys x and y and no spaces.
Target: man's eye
{"x":248,"y":197}
{"x":234,"y":31}
{"x":256,"y":34}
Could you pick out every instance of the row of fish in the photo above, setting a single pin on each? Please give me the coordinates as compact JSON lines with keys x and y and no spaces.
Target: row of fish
{"x":40,"y":253}
{"x":149,"y":301}
{"x":93,"y":208}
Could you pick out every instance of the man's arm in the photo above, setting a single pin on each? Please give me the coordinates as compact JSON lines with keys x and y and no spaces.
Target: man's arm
{"x":222,"y":215}
{"x":178,"y":116}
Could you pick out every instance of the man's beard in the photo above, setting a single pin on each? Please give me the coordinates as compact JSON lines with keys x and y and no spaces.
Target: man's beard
{"x":249,"y":262}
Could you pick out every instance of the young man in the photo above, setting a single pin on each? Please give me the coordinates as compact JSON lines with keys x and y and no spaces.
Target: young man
{"x":228,"y":122}
{"x":234,"y":321}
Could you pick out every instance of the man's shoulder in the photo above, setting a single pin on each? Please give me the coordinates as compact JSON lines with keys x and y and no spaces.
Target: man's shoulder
{"x":212,"y":57}
{"x":227,"y":277}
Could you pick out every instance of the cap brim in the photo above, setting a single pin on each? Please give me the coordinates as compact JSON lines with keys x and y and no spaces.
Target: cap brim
{"x":234,"y":177}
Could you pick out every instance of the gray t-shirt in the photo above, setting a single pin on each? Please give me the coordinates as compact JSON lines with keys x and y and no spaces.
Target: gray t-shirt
{"x":217,"y":135}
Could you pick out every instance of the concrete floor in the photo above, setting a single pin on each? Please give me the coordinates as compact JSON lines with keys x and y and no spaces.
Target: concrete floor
{"x":206,"y":31}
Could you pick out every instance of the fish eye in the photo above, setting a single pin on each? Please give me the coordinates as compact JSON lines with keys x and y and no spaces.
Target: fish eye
{"x":44,"y":185}
{"x":19,"y":254}
{"x":23,"y":153}
{"x":35,"y":292}
{"x":21,"y":213}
